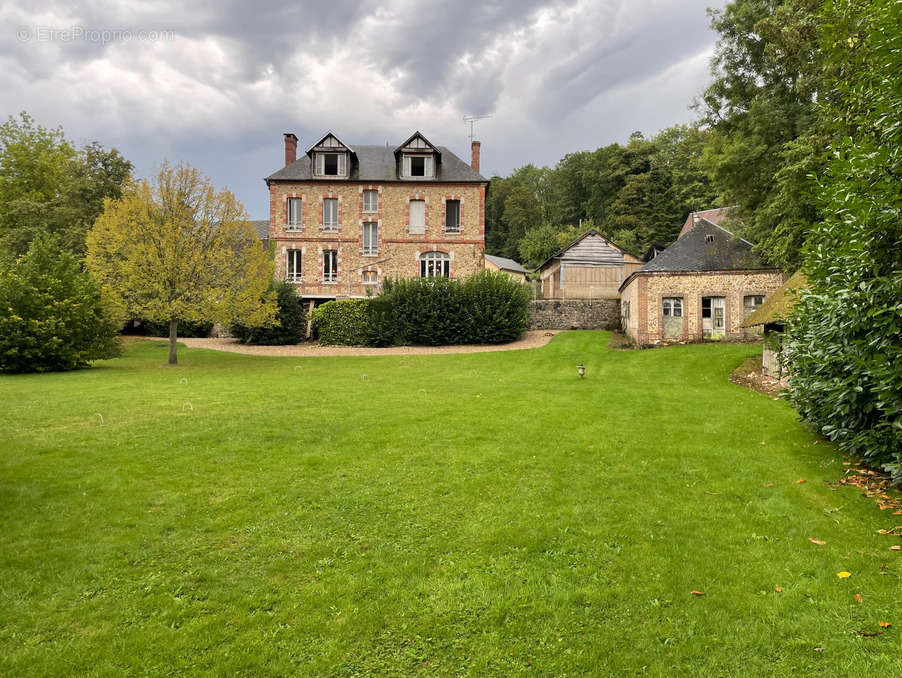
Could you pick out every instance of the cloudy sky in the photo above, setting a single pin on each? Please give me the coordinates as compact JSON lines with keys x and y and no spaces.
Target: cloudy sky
{"x":216,"y":83}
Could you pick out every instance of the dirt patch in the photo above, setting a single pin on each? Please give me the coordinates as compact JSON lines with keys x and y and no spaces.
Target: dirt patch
{"x":620,"y":341}
{"x":531,"y":339}
{"x":749,"y":374}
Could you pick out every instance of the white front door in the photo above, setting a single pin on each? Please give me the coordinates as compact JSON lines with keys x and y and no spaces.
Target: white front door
{"x":713,"y":317}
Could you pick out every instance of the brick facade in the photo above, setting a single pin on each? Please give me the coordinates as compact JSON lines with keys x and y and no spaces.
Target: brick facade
{"x":645,"y":294}
{"x":398,"y":249}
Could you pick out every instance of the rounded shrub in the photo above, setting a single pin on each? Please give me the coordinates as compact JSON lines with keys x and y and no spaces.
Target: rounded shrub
{"x":51,"y":314}
{"x":289,"y":325}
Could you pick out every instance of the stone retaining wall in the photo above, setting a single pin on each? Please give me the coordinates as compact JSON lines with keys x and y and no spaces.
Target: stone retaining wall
{"x":574,"y":314}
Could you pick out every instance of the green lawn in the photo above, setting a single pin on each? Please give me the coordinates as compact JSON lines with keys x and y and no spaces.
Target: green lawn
{"x":482,"y":514}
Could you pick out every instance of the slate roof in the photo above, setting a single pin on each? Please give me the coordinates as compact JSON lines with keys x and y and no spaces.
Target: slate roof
{"x":695,"y":252}
{"x":378,"y":163}
{"x":506,"y":264}
{"x":261,"y":226}
{"x":779,"y":305}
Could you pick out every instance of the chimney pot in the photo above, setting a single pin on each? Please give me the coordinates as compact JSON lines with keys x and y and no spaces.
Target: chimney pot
{"x":291,"y":148}
{"x":474,"y":163}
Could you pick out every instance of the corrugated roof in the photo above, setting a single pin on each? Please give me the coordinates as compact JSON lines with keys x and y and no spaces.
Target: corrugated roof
{"x":506,"y":264}
{"x":779,"y":305}
{"x":378,"y":163}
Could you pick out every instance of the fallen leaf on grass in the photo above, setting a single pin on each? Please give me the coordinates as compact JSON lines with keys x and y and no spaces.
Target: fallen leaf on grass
{"x":816,"y":541}
{"x":768,"y":485}
{"x":843,"y":575}
{"x":710,"y":492}
{"x":818,"y":649}
{"x":885,"y":625}
{"x":858,"y":598}
{"x":895,"y":547}
{"x":697,"y":593}
{"x":778,"y":589}
{"x":800,"y":481}
{"x":869,"y":635}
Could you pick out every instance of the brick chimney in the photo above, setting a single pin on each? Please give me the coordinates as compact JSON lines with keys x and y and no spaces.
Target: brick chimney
{"x":291,"y":148}
{"x":474,"y":163}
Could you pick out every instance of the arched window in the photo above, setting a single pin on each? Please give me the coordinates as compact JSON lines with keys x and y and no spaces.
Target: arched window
{"x":435,"y":265}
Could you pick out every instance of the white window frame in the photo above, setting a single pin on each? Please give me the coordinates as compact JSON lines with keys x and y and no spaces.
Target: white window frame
{"x":373,"y":204}
{"x":330,"y":221}
{"x":370,"y":248}
{"x":295,"y":214}
{"x":341,"y":164}
{"x":672,"y":307}
{"x":375,"y":277}
{"x":456,"y":228}
{"x":435,"y":265}
{"x":417,"y":229}
{"x":294,"y":273}
{"x":330,"y":266}
{"x":428,"y":166}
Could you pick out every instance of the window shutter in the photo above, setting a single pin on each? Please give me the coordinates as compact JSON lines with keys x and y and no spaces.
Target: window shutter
{"x":287,"y":214}
{"x":405,"y":171}
{"x":427,"y":166}
{"x":320,"y":164}
{"x":342,"y":164}
{"x":417,"y":216}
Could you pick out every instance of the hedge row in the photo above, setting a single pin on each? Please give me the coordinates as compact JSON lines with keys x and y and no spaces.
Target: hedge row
{"x":484,"y":308}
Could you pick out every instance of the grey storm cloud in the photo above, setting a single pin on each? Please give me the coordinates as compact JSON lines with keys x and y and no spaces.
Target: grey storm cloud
{"x":557,"y":75}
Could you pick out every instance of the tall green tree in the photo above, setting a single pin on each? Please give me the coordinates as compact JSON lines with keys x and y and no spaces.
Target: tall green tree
{"x":48,"y":186}
{"x":844,"y":345}
{"x":767,"y":71}
{"x":176,"y":249}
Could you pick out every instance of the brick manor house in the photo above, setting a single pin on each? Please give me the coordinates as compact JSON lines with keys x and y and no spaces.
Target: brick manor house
{"x":341,"y":218}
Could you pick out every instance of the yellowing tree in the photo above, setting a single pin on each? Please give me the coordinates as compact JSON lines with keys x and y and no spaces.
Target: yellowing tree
{"x":175,"y":249}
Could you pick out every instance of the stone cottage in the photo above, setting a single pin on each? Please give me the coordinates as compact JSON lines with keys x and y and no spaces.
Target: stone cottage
{"x":701,"y":287}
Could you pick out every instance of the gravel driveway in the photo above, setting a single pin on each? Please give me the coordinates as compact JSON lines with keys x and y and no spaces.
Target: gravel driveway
{"x":532,"y":339}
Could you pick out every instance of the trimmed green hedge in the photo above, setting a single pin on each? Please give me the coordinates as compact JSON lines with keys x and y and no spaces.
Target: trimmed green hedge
{"x":484,"y":308}
{"x":341,"y":322}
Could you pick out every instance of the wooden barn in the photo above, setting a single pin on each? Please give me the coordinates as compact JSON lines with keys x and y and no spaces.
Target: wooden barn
{"x":591,"y":267}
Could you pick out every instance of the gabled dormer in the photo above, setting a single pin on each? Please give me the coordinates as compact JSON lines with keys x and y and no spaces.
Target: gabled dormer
{"x":331,"y":158}
{"x":417,"y":158}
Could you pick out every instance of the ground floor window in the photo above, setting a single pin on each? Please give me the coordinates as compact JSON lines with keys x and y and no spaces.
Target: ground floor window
{"x":370,"y":237}
{"x":293,"y":265}
{"x":330,"y":265}
{"x":750,"y":303}
{"x":369,"y":277}
{"x":435,"y":265}
{"x":673,"y":307}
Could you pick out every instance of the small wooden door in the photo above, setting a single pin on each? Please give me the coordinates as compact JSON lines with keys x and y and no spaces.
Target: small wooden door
{"x":672,"y":318}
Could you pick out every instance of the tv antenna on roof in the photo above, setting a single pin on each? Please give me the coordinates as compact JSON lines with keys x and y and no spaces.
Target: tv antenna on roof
{"x":471,"y":119}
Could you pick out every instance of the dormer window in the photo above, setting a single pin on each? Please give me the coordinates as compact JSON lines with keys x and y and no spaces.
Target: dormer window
{"x":417,"y":158}
{"x":332,"y":164}
{"x":331,"y":157}
{"x":418,"y":166}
